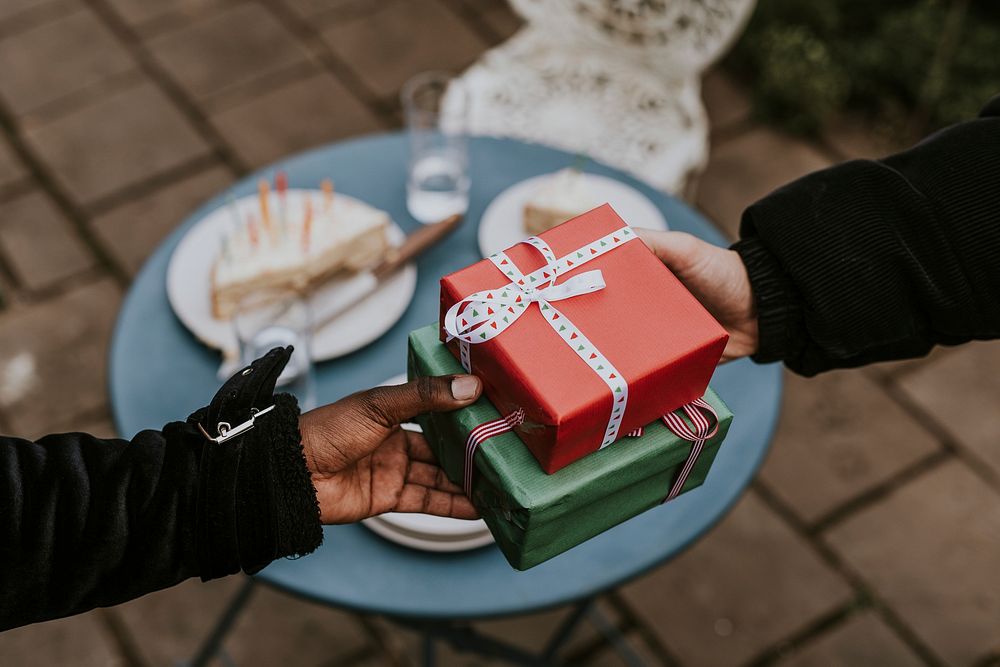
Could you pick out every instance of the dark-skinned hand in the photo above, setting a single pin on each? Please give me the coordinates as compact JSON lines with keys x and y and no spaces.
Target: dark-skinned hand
{"x":362,"y":463}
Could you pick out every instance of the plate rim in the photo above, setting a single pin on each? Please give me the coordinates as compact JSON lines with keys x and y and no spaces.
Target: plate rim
{"x":480,"y":232}
{"x":407,"y":275}
{"x":387,"y":532}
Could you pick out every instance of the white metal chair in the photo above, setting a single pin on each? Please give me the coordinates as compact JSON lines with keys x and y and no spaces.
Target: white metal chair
{"x":617,"y":80}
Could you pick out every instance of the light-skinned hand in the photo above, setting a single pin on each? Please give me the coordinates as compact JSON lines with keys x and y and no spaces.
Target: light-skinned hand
{"x":362,"y":463}
{"x":717,"y":278}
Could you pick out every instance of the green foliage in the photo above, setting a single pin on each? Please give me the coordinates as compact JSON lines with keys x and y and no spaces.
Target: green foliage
{"x":912,"y":65}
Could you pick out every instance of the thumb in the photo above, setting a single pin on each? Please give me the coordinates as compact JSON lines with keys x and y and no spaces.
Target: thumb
{"x":394,"y":405}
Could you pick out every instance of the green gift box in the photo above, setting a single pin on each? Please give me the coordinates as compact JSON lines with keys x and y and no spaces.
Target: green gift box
{"x":535,"y":516}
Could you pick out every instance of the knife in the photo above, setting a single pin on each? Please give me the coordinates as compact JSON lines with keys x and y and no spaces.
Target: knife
{"x":347,"y":292}
{"x":359,"y":286}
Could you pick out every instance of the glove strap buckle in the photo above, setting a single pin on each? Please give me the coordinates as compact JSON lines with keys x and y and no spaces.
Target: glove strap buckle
{"x":227,"y":432}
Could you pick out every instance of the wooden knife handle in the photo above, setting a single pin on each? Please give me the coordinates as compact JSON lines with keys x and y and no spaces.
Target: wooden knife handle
{"x":415,"y":244}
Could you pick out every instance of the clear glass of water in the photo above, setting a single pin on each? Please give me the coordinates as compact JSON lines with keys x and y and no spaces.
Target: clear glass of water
{"x":278,"y":318}
{"x":436,"y":108}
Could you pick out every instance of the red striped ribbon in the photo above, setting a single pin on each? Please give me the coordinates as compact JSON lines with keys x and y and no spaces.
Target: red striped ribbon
{"x":694,"y":410}
{"x":481,"y":434}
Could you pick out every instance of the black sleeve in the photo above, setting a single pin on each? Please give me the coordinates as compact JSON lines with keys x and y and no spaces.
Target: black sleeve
{"x":873,"y":260}
{"x":88,"y":522}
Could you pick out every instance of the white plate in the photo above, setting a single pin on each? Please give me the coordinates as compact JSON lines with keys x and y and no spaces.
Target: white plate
{"x":502,"y":224}
{"x":424,"y":531}
{"x":383,"y":529}
{"x":189,"y":287}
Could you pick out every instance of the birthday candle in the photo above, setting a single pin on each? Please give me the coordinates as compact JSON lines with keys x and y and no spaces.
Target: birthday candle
{"x":263,"y":194}
{"x":281,"y":184}
{"x":307,"y":226}
{"x":252,"y":230}
{"x":327,"y":195}
{"x":233,"y":211}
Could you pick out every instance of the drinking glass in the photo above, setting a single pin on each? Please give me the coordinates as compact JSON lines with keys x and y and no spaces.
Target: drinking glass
{"x":277,"y":318}
{"x":436,"y":108}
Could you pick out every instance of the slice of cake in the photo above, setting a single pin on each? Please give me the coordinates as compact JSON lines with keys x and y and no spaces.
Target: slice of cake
{"x":563,"y":195}
{"x":295,"y":241}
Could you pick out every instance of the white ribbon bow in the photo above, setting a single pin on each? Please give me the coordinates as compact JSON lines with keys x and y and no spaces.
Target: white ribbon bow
{"x":492,"y":311}
{"x":484,"y":315}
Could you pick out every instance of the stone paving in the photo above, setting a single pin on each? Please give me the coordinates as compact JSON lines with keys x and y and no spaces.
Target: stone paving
{"x":870,"y":537}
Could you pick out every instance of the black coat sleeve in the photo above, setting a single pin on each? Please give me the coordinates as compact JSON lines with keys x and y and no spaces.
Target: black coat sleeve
{"x":873,"y":260}
{"x":88,"y":522}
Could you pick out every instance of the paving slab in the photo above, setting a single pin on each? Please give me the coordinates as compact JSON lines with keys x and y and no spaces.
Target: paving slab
{"x":498,"y":16}
{"x":81,"y":641}
{"x":609,"y":657}
{"x":277,"y":628}
{"x":12,"y":169}
{"x":38,"y":242}
{"x":750,"y":583}
{"x":727,"y":101}
{"x":502,"y":20}
{"x":133,"y":230}
{"x":886,"y":370}
{"x":864,"y":639}
{"x":57,"y":59}
{"x":743,"y":169}
{"x":229,"y":49}
{"x":404,"y":38}
{"x":294,"y":117}
{"x":930,"y":551}
{"x":530,"y":632}
{"x":124,"y":139}
{"x":15,"y":9}
{"x":53,"y":358}
{"x":839,"y":436}
{"x":168,"y":626}
{"x":331,"y":10}
{"x":98,"y":425}
{"x":961,"y":391}
{"x":141,"y":12}
{"x":854,"y":137}
{"x":273,"y":629}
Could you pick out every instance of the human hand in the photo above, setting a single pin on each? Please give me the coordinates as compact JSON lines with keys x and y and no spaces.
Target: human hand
{"x":717,"y":278}
{"x":362,"y":463}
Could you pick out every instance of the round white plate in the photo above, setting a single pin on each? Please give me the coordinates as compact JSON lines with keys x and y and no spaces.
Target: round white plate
{"x":502,"y":224}
{"x":386,"y":530}
{"x":189,"y":286}
{"x":424,"y":531}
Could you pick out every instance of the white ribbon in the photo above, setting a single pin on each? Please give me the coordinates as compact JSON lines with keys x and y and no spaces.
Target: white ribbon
{"x":483,"y":315}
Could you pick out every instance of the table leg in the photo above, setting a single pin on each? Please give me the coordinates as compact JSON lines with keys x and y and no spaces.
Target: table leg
{"x":614,"y":637}
{"x":212,"y":643}
{"x":464,"y":638}
{"x":565,"y":629}
{"x":428,"y":651}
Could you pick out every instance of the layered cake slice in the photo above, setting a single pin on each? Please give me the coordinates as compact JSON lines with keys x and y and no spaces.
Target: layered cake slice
{"x":563,"y":195}
{"x":295,"y":241}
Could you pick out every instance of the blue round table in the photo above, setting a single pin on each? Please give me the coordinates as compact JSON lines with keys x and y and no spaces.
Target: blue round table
{"x":159,"y":373}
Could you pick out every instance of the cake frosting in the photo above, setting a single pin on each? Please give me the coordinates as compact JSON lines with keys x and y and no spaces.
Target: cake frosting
{"x":561,"y":196}
{"x":294,"y":239}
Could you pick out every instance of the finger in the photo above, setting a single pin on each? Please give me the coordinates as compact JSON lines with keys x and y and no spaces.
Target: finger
{"x":426,"y":474}
{"x":418,"y":449}
{"x":677,"y":250}
{"x":400,"y":403}
{"x":415,"y":498}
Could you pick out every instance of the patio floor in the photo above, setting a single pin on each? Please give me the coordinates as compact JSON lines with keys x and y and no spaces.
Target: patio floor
{"x":870,"y":537}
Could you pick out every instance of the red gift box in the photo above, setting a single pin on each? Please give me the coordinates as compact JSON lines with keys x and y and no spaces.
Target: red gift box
{"x":642,"y":325}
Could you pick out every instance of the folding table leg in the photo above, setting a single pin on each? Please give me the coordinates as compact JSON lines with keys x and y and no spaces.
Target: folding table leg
{"x":428,"y":651}
{"x":614,"y":637}
{"x":214,"y":640}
